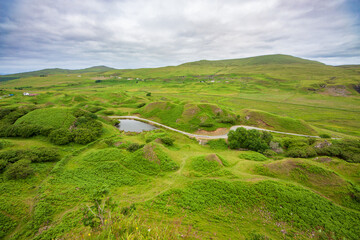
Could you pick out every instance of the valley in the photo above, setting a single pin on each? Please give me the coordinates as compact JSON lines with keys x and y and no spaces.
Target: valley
{"x":67,"y":171}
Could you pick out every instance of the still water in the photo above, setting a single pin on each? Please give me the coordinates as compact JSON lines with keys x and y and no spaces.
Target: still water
{"x":128,"y":125}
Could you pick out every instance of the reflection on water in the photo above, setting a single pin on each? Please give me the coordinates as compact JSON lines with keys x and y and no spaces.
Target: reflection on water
{"x":128,"y":125}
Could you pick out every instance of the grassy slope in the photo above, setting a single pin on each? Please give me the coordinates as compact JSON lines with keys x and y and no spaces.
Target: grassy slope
{"x":200,"y":197}
{"x":51,"y":117}
{"x":210,"y":205}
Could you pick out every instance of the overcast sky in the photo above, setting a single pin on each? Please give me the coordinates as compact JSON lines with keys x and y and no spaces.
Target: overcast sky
{"x":37,"y":34}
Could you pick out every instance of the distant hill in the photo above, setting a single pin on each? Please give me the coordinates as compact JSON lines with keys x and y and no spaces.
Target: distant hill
{"x":52,"y":71}
{"x":259,"y":60}
{"x":355,"y":68}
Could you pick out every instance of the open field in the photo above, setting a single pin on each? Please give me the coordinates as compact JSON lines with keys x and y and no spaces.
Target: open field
{"x":165,"y":185}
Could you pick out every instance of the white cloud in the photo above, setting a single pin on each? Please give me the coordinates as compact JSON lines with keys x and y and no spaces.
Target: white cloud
{"x":143,"y":33}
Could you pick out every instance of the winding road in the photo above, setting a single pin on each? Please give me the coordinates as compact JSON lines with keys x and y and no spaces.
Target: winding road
{"x":204,"y":137}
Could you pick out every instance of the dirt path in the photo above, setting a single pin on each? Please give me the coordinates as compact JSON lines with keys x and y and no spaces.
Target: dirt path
{"x":198,"y":136}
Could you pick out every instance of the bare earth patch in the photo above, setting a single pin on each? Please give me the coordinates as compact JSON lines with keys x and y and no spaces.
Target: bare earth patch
{"x":336,"y":91}
{"x":213,"y":157}
{"x":219,"y":131}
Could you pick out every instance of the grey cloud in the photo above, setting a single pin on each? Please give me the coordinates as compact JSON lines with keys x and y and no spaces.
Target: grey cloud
{"x":141,"y":33}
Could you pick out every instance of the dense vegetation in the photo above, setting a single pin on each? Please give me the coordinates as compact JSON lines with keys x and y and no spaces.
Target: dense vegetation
{"x":66,"y":172}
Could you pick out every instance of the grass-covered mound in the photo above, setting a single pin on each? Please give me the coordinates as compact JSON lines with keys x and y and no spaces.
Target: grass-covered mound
{"x":212,"y":165}
{"x":275,"y":122}
{"x":51,"y":117}
{"x":150,"y":160}
{"x":103,"y":166}
{"x":208,"y":163}
{"x":299,"y":208}
{"x":189,"y":116}
{"x":322,"y":180}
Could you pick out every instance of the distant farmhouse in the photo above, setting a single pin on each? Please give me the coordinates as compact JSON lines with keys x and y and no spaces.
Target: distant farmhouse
{"x":29,"y":94}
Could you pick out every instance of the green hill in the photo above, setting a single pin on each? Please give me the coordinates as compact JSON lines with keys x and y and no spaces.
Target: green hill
{"x":53,"y":71}
{"x":102,"y":183}
{"x":252,"y":61}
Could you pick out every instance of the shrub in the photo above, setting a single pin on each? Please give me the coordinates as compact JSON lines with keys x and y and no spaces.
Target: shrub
{"x":43,"y":155}
{"x":83,"y":135}
{"x":311,"y":140}
{"x":3,"y":164}
{"x":19,"y":170}
{"x":249,"y":139}
{"x":141,"y":105}
{"x":82,"y":113}
{"x":148,"y":94}
{"x":294,"y":142}
{"x":134,"y":146}
{"x":270,"y":153}
{"x":254,"y":156}
{"x":206,"y":125}
{"x":11,"y":155}
{"x":229,"y":120}
{"x":167,"y":141}
{"x":34,"y":155}
{"x":94,"y":109}
{"x":298,"y":152}
{"x":324,"y":135}
{"x":60,"y":136}
{"x":91,"y":124}
{"x":5,"y":111}
{"x":108,"y":112}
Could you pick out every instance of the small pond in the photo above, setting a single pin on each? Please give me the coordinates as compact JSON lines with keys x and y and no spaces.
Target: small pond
{"x":128,"y":125}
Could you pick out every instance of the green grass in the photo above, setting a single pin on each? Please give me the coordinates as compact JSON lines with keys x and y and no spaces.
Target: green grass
{"x":199,"y":192}
{"x":51,"y":117}
{"x":299,"y":207}
{"x":254,"y":156}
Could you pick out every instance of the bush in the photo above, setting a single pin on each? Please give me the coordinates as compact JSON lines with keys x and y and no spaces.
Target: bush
{"x":254,"y":156}
{"x":43,"y":155}
{"x":94,"y":109}
{"x":83,"y":135}
{"x":60,"y":136}
{"x":298,"y":152}
{"x":206,"y":125}
{"x":34,"y":155}
{"x":148,"y":94}
{"x":228,"y":120}
{"x":167,"y":141}
{"x":82,"y":113}
{"x":12,"y":155}
{"x":108,"y":112}
{"x":3,"y":164}
{"x":134,"y":146}
{"x":24,"y":130}
{"x":311,"y":140}
{"x":141,"y":105}
{"x":346,"y":149}
{"x":270,"y":153}
{"x":19,"y":170}
{"x":294,"y":142}
{"x":324,"y":135}
{"x":90,"y":124}
{"x":249,"y":139}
